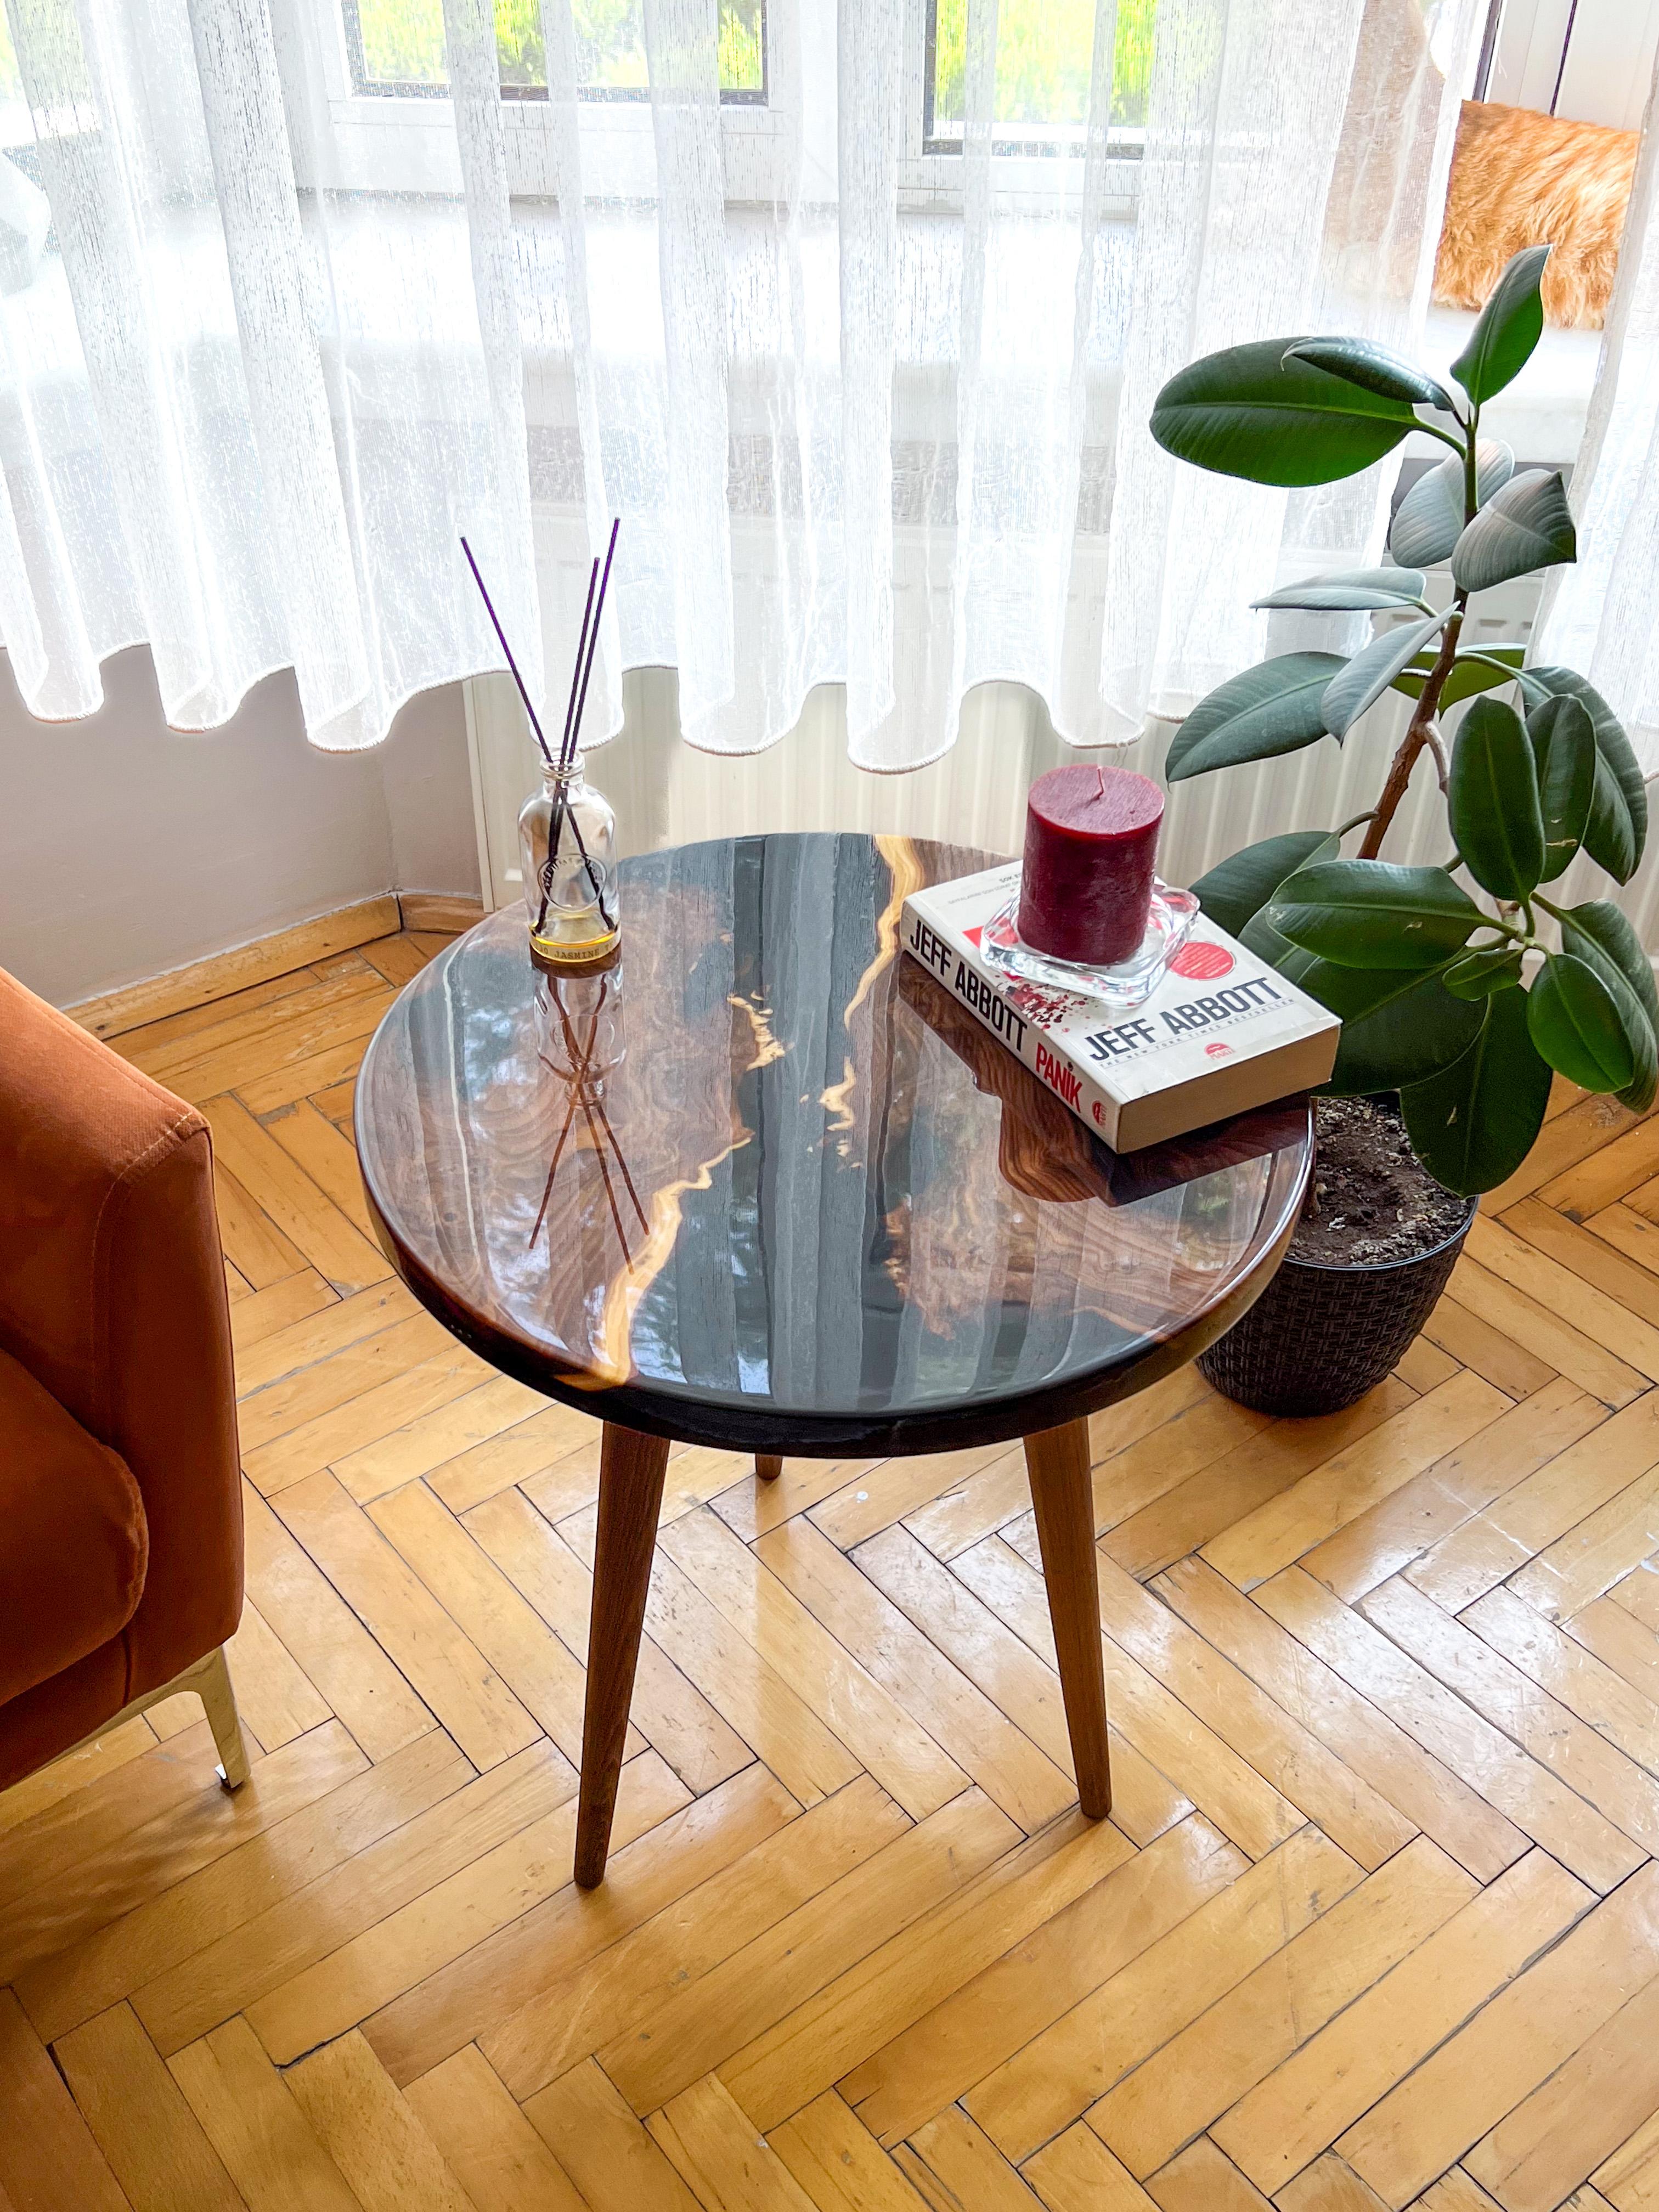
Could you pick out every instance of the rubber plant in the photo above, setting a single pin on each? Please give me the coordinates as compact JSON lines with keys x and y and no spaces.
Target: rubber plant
{"x":1439,"y":998}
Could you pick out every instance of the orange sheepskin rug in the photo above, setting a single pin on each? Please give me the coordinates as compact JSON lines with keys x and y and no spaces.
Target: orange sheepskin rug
{"x":1519,"y":178}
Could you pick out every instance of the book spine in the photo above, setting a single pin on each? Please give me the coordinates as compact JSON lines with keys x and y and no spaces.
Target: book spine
{"x":958,"y":967}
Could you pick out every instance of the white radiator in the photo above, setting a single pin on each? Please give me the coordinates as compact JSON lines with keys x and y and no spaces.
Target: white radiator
{"x":665,"y":793}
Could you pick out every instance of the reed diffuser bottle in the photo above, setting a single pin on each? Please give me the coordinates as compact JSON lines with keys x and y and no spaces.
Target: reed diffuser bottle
{"x":567,"y":841}
{"x":567,"y":830}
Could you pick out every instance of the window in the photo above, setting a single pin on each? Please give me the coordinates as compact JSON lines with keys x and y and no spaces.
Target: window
{"x":1044,"y":62}
{"x":396,"y":49}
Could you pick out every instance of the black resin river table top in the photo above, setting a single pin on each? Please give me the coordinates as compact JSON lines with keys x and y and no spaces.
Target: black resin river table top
{"x":767,"y":1185}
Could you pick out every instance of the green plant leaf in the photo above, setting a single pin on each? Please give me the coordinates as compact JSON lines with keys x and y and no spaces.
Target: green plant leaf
{"x":1369,"y":673}
{"x":1241,"y":885}
{"x":1374,"y":369}
{"x":1492,"y":801}
{"x":1563,"y":739}
{"x":1250,"y":412}
{"x":1430,"y":519}
{"x":1398,"y":1024}
{"x":1372,"y":914}
{"x":1469,"y":675}
{"x":1601,"y":936}
{"x":1273,"y":708}
{"x":1405,"y":1038}
{"x":1350,"y":591}
{"x":1509,"y":326}
{"x":1576,"y":1024}
{"x":1489,"y":968}
{"x":1474,"y":1123}
{"x":1617,"y":831}
{"x":1526,"y":525}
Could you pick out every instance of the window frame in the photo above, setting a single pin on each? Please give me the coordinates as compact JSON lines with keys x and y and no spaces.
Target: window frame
{"x":402,"y":138}
{"x":1024,"y":177}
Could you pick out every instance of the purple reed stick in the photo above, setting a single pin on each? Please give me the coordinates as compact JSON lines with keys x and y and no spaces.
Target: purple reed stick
{"x":497,"y":621}
{"x":574,"y":738}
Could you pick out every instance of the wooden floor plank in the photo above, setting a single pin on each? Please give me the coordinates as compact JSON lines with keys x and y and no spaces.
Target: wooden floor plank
{"x":1432,"y":1795}
{"x":1539,"y":1804}
{"x":172,"y":1925}
{"x":1062,"y":2072}
{"x":839,"y":2164}
{"x":402,"y":1949}
{"x":249,"y":2114}
{"x":1168,"y":1735}
{"x":596,"y":2137}
{"x":154,"y":2143}
{"x":489,"y":2145}
{"x":558,"y":1982}
{"x":49,"y":2160}
{"x":1221,"y":2055}
{"x":818,"y":2042}
{"x":373,"y":2136}
{"x":669,"y":1711}
{"x":967,"y":2037}
{"x":1307,"y":2102}
{"x":260,"y":1954}
{"x":1537,"y":2024}
{"x":975,"y":1733}
{"x":872,"y":1725}
{"x":446,"y":1668}
{"x":700,"y":2025}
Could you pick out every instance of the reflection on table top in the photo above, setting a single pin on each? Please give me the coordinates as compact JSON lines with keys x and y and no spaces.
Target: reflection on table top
{"x":766,"y":1184}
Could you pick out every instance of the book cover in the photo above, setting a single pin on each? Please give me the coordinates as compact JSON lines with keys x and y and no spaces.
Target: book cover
{"x":1221,"y":1033}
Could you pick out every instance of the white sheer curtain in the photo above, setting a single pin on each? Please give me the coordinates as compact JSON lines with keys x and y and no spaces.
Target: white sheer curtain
{"x":872,"y":411}
{"x":1602,"y":616}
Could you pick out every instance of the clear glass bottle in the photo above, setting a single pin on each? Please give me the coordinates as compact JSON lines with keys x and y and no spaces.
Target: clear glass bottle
{"x":571,"y":896}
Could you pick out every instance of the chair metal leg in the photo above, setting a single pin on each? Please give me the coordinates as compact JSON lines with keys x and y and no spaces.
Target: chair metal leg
{"x":213,"y":1686}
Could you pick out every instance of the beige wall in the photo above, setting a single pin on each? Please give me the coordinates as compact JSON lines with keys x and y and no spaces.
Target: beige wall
{"x":127,"y":849}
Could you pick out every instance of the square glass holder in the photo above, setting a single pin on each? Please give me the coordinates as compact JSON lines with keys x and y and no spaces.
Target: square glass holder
{"x":1127,"y":983}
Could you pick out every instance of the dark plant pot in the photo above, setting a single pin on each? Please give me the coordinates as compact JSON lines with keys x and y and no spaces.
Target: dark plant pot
{"x":1319,"y":1337}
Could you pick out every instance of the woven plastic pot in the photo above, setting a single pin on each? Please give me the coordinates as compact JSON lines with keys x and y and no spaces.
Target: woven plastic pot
{"x":1320,"y":1336}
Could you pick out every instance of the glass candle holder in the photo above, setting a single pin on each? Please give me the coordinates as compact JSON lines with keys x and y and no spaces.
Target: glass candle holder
{"x":568,"y":845}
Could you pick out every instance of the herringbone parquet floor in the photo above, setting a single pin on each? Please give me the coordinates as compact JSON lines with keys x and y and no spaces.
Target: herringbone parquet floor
{"x":1376,"y":1919}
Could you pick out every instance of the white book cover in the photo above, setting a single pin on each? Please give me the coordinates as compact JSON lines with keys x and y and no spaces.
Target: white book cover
{"x":1221,"y":1033}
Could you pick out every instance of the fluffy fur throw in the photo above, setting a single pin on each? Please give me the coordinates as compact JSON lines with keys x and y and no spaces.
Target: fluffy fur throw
{"x":1519,"y":178}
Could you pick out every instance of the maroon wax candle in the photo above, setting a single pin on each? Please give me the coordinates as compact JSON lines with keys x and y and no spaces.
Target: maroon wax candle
{"x":1085,"y":891}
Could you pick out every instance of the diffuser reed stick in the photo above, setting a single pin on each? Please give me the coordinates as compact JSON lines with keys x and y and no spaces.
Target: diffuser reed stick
{"x":587,"y":644}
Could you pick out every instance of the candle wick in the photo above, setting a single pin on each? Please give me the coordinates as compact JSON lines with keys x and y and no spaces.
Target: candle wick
{"x":1100,"y":779}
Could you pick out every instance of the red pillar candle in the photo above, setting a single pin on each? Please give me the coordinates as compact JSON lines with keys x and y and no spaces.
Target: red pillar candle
{"x":1085,"y":892}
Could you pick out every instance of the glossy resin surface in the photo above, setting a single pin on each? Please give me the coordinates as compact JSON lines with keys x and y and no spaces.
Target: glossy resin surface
{"x":766,"y":1185}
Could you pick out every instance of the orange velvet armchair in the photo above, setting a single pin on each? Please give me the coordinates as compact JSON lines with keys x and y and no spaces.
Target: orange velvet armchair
{"x":120,"y":1509}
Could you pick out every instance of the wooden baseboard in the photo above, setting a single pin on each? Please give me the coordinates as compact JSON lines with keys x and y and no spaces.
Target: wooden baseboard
{"x":279,"y":954}
{"x":437,"y":911}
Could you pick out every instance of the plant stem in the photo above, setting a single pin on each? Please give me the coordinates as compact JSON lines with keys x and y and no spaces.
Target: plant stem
{"x":1420,"y":731}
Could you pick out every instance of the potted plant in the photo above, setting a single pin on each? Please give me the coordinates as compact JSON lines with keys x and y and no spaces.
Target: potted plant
{"x":1462,"y":987}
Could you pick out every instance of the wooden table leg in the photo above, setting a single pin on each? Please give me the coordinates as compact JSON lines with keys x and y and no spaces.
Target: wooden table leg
{"x":1063,"y":1495}
{"x":768,"y":1468}
{"x":631,"y":1468}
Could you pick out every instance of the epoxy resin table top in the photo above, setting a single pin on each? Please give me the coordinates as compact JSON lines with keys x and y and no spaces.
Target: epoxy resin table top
{"x":767,"y":1185}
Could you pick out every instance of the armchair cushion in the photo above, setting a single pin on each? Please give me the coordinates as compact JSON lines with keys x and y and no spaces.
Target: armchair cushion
{"x":112,"y":1296}
{"x":73,"y":1545}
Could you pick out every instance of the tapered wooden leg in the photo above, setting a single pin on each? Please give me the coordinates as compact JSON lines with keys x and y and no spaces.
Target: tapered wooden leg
{"x":768,"y":1468}
{"x":631,"y":1469}
{"x":1058,"y":1461}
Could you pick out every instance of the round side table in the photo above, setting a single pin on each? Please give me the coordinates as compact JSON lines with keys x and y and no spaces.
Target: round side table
{"x":766,"y":1186}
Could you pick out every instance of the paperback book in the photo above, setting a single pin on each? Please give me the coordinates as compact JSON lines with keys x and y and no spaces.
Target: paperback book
{"x":1220,"y":1033}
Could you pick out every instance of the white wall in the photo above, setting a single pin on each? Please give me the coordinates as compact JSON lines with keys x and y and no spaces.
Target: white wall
{"x":127,"y":849}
